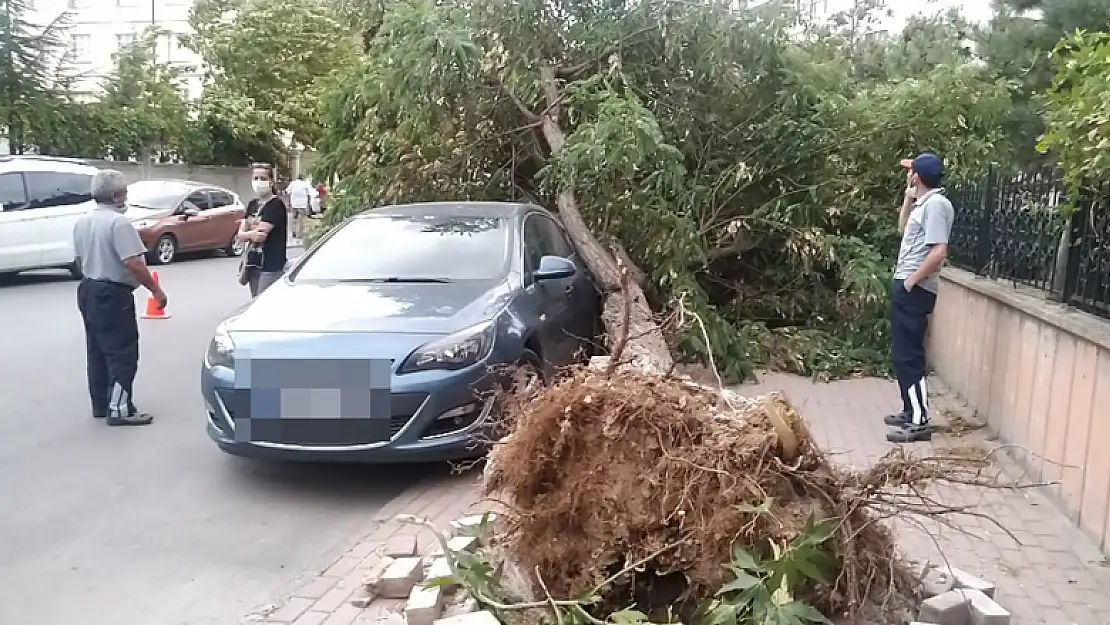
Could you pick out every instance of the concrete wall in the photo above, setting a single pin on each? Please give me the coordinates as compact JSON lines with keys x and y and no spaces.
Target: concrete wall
{"x":1038,"y":373}
{"x":237,"y":179}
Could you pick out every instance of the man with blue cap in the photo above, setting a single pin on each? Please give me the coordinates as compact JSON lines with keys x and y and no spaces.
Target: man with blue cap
{"x":925,"y":222}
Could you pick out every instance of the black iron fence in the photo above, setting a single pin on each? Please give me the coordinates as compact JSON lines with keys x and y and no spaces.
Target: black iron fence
{"x":1023,"y":227}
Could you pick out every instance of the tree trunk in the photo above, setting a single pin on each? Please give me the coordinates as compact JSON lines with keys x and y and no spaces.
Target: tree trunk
{"x":643,"y":343}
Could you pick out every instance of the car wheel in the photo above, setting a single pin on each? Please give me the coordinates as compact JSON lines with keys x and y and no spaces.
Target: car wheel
{"x":236,"y":247}
{"x":164,"y":251}
{"x":75,"y":270}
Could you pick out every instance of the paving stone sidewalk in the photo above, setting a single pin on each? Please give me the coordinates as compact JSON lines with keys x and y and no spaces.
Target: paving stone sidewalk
{"x":1052,"y":574}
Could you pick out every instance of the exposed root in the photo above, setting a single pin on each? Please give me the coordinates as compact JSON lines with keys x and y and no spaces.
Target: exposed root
{"x":603,"y":470}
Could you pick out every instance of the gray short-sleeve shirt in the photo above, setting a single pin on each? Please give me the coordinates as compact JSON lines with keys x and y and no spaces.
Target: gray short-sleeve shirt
{"x":103,"y":238}
{"x":930,"y":224}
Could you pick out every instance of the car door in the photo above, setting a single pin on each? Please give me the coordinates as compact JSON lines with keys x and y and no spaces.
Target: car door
{"x":18,"y":249}
{"x":194,"y":232}
{"x":57,"y":200}
{"x":550,"y":296}
{"x":224,"y":213}
{"x":582,"y":298}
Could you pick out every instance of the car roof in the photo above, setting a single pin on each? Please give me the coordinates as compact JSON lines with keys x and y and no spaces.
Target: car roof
{"x":502,"y":210}
{"x":21,"y":163}
{"x":182,"y":185}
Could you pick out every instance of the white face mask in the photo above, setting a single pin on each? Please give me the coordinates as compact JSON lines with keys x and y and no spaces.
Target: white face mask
{"x":261,"y":187}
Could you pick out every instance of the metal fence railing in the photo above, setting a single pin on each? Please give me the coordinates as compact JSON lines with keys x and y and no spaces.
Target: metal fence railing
{"x":1022,"y":227}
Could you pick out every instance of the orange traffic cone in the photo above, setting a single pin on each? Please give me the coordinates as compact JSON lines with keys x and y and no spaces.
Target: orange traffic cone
{"x":152,"y":309}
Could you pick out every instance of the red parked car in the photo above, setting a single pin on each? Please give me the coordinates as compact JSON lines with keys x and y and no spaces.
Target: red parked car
{"x":175,"y":216}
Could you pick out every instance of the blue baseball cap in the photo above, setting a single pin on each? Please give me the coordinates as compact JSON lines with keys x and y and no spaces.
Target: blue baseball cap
{"x":927,"y":166}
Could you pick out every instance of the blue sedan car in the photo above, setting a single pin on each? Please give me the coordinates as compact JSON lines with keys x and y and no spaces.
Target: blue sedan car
{"x":380,"y":343}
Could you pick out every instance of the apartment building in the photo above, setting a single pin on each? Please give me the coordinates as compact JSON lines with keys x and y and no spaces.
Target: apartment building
{"x":97,"y":29}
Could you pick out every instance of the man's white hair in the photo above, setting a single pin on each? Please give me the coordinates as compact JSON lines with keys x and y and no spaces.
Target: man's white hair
{"x":107,"y":184}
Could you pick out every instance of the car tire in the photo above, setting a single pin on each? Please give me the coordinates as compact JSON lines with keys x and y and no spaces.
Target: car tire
{"x":235,"y":248}
{"x":75,"y":270}
{"x":164,"y":250}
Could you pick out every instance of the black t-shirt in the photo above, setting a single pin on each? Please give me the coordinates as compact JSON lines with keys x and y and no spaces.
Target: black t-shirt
{"x":273,"y":249}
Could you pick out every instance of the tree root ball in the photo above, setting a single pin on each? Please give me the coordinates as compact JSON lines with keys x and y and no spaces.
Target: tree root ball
{"x":601,"y":471}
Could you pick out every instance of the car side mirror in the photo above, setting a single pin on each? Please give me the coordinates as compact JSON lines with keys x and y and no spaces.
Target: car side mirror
{"x":191,"y":212}
{"x":554,"y":268}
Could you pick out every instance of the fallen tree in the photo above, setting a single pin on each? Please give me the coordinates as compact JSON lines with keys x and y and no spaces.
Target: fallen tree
{"x":738,"y":167}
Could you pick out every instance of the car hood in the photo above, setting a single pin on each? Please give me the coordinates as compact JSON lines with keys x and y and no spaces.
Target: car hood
{"x":393,"y":308}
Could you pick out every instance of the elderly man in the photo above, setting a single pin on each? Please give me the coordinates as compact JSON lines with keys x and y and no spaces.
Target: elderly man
{"x":111,"y":257}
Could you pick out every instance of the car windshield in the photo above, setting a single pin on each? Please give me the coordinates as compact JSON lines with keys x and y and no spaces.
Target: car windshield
{"x":418,"y":248}
{"x":154,"y":194}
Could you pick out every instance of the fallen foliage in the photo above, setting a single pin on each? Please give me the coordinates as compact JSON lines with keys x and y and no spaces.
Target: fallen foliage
{"x":604,"y":469}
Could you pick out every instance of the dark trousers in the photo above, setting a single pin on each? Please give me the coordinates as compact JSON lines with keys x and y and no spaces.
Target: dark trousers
{"x":909,"y":320}
{"x":112,"y":343}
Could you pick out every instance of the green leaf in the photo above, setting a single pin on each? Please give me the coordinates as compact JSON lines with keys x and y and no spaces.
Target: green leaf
{"x":743,"y":559}
{"x":628,"y":617}
{"x":803,"y":612}
{"x":722,"y":614}
{"x":743,"y":581}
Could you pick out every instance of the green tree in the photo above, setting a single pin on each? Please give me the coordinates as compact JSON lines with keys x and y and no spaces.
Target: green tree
{"x":1078,"y":107}
{"x":1017,"y":46}
{"x":267,"y":63}
{"x":743,"y":167}
{"x":29,"y":54}
{"x":143,"y":104}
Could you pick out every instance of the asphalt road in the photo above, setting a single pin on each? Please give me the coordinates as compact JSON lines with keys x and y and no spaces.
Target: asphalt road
{"x":150,"y":525}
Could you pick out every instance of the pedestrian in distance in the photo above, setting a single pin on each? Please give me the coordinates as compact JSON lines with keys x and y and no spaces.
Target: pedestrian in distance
{"x":300,"y":200}
{"x":111,"y":256}
{"x":265,"y":229}
{"x":925,"y":221}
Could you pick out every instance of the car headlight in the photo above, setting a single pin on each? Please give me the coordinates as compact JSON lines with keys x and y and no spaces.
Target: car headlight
{"x":143,"y":223}
{"x":457,"y":351}
{"x":221,"y":351}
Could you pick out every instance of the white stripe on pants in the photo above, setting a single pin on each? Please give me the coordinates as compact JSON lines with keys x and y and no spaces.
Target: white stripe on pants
{"x":919,"y":402}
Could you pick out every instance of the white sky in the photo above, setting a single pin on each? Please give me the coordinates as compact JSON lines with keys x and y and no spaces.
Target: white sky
{"x":976,"y":10}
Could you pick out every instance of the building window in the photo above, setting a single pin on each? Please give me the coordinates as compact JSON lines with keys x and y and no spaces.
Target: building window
{"x":125,"y":40}
{"x":79,"y":48}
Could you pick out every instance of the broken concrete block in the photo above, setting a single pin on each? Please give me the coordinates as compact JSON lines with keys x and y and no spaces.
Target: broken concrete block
{"x":950,"y":608}
{"x":371,"y":574}
{"x":937,"y":582}
{"x":400,"y":547}
{"x":424,"y":605}
{"x":442,"y":569}
{"x":469,"y":526}
{"x":472,"y":618}
{"x":396,"y":582}
{"x":966,"y":580}
{"x":458,"y":543}
{"x":984,"y":610}
{"x":461,"y":603}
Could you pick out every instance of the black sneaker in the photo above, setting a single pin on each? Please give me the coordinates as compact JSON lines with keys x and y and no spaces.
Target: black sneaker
{"x":138,"y":418}
{"x":99,"y":415}
{"x":896,"y":420}
{"x":910,"y":433}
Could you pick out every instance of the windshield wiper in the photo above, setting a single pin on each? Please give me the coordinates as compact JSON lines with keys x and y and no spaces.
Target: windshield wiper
{"x":395,"y":279}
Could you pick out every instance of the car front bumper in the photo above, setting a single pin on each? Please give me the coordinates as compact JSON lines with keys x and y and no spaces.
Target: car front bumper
{"x":446,"y":416}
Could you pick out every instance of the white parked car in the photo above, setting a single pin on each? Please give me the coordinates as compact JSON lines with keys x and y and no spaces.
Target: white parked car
{"x":40,"y":200}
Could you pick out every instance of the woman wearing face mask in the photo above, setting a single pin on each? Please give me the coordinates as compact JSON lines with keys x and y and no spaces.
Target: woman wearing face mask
{"x":265,"y":228}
